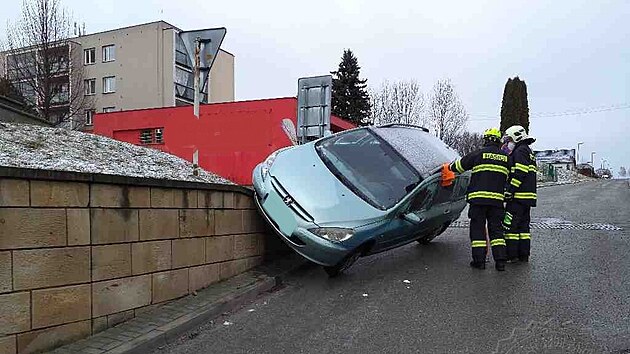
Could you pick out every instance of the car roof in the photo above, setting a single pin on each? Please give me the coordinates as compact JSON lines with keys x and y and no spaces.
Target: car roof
{"x":420,"y":148}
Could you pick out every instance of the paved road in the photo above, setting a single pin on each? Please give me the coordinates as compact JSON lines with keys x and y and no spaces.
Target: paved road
{"x":574,"y":294}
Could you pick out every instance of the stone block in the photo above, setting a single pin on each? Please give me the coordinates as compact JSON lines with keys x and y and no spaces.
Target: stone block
{"x":219,"y":249}
{"x":228,"y":222}
{"x":49,"y":338}
{"x":59,"y":194}
{"x":14,"y":192}
{"x":118,"y":318}
{"x":99,"y":324}
{"x":78,"y":221}
{"x":253,"y":262}
{"x":119,"y":196}
{"x":232,"y":268}
{"x":50,"y":267}
{"x":5,"y":272}
{"x":188,"y":252}
{"x":203,"y":276}
{"x":243,"y":201}
{"x":170,"y":285}
{"x":246,"y":245}
{"x":114,"y":225}
{"x":156,"y":224}
{"x":111,"y":261}
{"x":196,"y":222}
{"x":61,"y":305}
{"x":229,"y":200}
{"x":113,"y":296}
{"x":147,"y":257}
{"x":210,"y":199}
{"x":8,"y":345}
{"x":173,"y":198}
{"x":252,"y":221}
{"x":15,"y":313}
{"x":30,"y":228}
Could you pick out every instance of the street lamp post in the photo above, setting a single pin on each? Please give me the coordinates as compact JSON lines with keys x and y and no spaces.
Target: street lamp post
{"x":578,"y":153}
{"x":593,"y":159}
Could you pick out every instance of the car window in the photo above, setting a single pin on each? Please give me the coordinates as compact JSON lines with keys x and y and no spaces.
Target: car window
{"x":423,"y":199}
{"x":444,"y":194}
{"x":462,"y":186}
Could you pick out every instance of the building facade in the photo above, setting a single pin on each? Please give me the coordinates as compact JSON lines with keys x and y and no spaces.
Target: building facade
{"x":136,"y":67}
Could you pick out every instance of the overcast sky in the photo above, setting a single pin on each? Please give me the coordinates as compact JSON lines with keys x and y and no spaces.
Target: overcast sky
{"x":573,"y":54}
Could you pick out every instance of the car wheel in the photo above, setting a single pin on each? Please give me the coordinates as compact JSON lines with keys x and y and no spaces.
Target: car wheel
{"x":433,"y":234}
{"x":345,"y":263}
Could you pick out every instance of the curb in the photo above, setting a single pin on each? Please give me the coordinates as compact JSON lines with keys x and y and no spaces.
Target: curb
{"x":171,"y":331}
{"x":167,"y":323}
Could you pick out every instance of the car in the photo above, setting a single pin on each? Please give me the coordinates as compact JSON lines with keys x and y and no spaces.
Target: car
{"x":359,"y":192}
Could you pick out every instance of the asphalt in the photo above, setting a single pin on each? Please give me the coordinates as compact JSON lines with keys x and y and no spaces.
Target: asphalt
{"x":572,"y":297}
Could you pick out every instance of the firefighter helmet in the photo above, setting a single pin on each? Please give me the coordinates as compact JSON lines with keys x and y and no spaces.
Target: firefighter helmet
{"x":492,"y":134}
{"x":517,"y":134}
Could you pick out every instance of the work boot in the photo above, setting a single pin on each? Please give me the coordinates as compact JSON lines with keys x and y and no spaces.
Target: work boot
{"x":523,"y":259}
{"x":478,"y":265}
{"x":499,"y":265}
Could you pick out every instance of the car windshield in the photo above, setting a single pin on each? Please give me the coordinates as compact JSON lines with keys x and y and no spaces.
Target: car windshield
{"x":369,"y":166}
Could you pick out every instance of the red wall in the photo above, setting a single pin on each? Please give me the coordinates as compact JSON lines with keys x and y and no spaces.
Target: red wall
{"x":232,"y":138}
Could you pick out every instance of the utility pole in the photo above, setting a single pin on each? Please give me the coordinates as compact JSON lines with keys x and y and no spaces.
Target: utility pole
{"x":578,"y":153}
{"x":593,"y":159}
{"x":197,"y":74}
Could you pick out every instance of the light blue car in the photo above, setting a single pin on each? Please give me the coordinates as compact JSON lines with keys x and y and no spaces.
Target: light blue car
{"x":359,"y":192}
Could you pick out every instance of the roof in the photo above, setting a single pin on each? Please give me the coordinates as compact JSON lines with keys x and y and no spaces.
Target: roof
{"x":422,"y":150}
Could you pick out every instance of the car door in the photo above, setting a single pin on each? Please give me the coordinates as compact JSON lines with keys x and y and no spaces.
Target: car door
{"x":400,"y":230}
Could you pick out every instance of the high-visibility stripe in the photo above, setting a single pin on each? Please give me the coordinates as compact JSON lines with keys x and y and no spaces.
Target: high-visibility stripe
{"x":479,"y":244}
{"x":497,"y":242}
{"x":490,"y":168}
{"x":524,"y":195}
{"x":486,"y":195}
{"x":516,"y":183}
{"x":533,"y":168}
{"x":511,"y":236}
{"x":458,"y":166}
{"x":521,"y":167}
{"x":525,"y":236}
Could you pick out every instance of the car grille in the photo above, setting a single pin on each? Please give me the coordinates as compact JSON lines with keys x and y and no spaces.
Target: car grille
{"x":297,"y":209}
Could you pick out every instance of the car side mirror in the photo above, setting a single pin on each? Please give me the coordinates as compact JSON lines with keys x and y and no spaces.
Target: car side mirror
{"x":412,"y":218}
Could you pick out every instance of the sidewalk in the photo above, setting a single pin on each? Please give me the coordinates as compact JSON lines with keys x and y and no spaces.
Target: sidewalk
{"x":167,"y":322}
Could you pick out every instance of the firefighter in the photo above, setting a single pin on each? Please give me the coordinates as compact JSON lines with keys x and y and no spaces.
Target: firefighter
{"x":520,"y":194}
{"x":489,"y":167}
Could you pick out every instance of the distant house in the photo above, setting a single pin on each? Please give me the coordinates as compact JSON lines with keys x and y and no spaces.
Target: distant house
{"x":586,"y":170}
{"x":559,"y":159}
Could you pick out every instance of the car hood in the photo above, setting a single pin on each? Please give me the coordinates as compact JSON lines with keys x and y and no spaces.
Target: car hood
{"x":303,"y":175}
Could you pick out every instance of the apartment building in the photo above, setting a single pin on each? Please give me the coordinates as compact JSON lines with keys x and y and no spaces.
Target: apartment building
{"x":136,"y":67}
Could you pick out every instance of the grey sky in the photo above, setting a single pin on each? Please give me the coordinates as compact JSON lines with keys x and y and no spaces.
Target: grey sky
{"x":572,"y":54}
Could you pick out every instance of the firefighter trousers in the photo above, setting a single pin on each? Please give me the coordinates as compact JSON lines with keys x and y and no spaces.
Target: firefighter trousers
{"x":492,"y":215}
{"x":517,"y":236}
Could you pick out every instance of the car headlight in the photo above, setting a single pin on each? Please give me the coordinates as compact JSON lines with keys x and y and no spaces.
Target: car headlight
{"x":335,"y":234}
{"x":266,"y":165}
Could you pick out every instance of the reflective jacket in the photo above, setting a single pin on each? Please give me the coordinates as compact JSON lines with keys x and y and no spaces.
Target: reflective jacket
{"x":522,"y":181}
{"x":489,"y":167}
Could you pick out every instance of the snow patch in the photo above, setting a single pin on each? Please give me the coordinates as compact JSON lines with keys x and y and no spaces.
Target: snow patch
{"x":58,"y":149}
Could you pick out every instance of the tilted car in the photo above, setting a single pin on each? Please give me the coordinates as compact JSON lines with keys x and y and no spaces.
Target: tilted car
{"x":359,"y":192}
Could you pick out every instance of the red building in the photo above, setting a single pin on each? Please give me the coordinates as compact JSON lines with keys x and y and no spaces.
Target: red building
{"x":232,"y":138}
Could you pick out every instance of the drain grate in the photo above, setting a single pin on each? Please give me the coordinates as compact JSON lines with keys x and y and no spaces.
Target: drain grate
{"x":554,"y":224}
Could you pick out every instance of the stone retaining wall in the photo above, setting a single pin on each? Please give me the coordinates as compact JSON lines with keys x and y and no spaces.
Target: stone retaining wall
{"x":78,"y":255}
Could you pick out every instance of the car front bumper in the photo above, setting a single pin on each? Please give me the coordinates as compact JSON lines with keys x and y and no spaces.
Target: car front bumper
{"x":293,"y":230}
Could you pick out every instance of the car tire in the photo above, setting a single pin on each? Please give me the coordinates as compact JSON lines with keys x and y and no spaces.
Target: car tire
{"x":344,"y":264}
{"x":435,"y":233}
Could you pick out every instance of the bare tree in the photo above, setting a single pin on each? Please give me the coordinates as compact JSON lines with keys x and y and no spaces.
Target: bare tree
{"x":44,"y":64}
{"x":446,"y":112}
{"x":467,"y":142}
{"x":398,"y":102}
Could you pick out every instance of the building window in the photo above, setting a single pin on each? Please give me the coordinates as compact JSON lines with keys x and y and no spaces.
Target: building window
{"x":89,"y":116}
{"x":152,"y":136}
{"x":90,"y":86}
{"x":89,"y":56}
{"x":109,"y":53}
{"x":109,"y":84}
{"x":108,"y":109}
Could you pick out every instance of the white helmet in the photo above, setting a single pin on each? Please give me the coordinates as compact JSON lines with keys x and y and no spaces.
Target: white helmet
{"x":517,"y":133}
